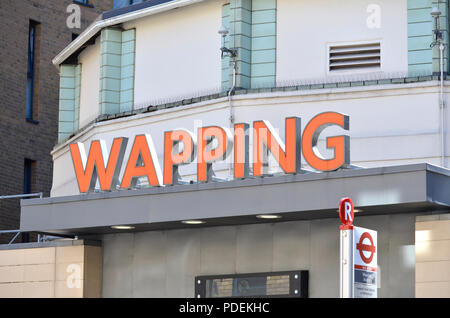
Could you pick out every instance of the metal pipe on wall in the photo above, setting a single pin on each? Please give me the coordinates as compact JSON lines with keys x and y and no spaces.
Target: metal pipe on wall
{"x":230,"y":107}
{"x":442,"y":103}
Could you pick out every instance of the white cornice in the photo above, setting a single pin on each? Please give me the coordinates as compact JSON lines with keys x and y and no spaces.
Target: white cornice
{"x":97,"y":26}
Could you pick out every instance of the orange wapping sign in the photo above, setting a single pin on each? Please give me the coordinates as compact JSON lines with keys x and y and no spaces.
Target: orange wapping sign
{"x":212,"y":144}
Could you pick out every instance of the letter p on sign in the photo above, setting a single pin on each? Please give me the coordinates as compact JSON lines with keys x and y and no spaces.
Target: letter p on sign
{"x":346,"y":211}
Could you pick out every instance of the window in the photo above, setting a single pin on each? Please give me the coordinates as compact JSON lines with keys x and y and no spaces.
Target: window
{"x":358,"y":56}
{"x":84,"y":2}
{"x":29,"y":176}
{"x":276,"y":284}
{"x":32,"y":71}
{"x":29,"y":186}
{"x":125,"y":3}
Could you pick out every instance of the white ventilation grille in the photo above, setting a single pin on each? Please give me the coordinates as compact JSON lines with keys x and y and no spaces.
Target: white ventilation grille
{"x":355,"y":57}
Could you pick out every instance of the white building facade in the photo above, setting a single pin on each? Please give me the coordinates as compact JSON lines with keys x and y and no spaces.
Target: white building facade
{"x":156,"y":66}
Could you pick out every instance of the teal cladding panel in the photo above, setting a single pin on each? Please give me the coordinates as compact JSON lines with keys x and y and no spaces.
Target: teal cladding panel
{"x":264,"y":5}
{"x":76,"y":122}
{"x":252,"y":25}
{"x":117,"y":70}
{"x":264,"y":30}
{"x":226,"y":60}
{"x":128,"y":62}
{"x":241,"y":39}
{"x":420,"y":36}
{"x":69,"y":100}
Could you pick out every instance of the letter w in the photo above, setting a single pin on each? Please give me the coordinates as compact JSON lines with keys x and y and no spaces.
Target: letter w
{"x":89,"y":168}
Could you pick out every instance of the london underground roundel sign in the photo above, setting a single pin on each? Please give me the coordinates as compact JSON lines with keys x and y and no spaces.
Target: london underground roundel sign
{"x":346,"y":211}
{"x":369,"y":248}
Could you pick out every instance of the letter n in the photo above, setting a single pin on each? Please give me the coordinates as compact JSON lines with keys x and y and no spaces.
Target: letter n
{"x":265,"y":138}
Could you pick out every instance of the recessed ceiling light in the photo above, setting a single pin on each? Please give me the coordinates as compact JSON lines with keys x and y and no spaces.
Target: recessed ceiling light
{"x":268,"y":216}
{"x":354,"y":210}
{"x":122,"y":227}
{"x":193,"y":222}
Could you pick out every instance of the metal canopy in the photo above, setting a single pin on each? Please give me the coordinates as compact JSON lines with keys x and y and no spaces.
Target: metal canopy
{"x":396,"y":189}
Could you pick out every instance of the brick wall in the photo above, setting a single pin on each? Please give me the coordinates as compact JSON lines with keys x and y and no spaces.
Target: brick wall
{"x":20,"y":139}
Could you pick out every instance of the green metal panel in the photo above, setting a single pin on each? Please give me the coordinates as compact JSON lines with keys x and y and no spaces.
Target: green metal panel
{"x":422,"y":59}
{"x":129,"y":35}
{"x":126,"y":96}
{"x":111,"y":97}
{"x":66,"y":104}
{"x":418,"y":4}
{"x":67,"y":82}
{"x":127,"y":70}
{"x":66,"y":127}
{"x":127,"y":84}
{"x":264,"y":5}
{"x":111,"y":84}
{"x":125,"y":106}
{"x":111,"y":35}
{"x":128,"y":47}
{"x":127,"y":59}
{"x":261,"y":82}
{"x":110,"y":72}
{"x":63,"y":136}
{"x":69,"y":100}
{"x":113,"y":60}
{"x":264,"y":43}
{"x":117,"y":70}
{"x":263,"y":69}
{"x":264,"y":29}
{"x":241,"y":39}
{"x":66,"y":115}
{"x":419,"y":31}
{"x":67,"y":93}
{"x":420,"y":42}
{"x":67,"y":71}
{"x":419,"y":15}
{"x":265,"y":16}
{"x":264,"y":56}
{"x":226,"y":61}
{"x":252,"y":25}
{"x":111,"y":48}
{"x":76,"y":122}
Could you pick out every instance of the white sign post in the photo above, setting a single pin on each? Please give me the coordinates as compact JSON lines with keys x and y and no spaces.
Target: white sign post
{"x":358,"y":256}
{"x":346,"y":267}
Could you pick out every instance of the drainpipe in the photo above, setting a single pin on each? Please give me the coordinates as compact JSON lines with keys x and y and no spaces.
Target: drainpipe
{"x":230,"y":107}
{"x":439,"y":39}
{"x":230,"y":92}
{"x":442,"y":103}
